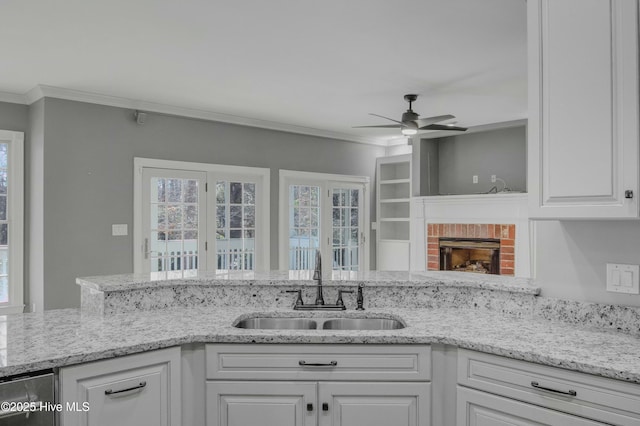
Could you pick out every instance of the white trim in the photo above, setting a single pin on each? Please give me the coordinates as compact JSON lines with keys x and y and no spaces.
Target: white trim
{"x":264,"y":174}
{"x":11,"y":309}
{"x":324,"y":179}
{"x":13,"y":98}
{"x":42,"y":91}
{"x":15,"y":214}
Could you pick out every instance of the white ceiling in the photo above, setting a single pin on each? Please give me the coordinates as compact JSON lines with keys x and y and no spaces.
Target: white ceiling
{"x":317,"y":64}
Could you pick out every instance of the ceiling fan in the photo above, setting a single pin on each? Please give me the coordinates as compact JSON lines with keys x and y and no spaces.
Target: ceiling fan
{"x":411,"y":123}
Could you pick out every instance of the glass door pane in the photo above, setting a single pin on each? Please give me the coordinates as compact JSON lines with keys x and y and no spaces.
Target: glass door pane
{"x":304,"y":226}
{"x":235,"y":225}
{"x":172,"y":213}
{"x":346,"y":228}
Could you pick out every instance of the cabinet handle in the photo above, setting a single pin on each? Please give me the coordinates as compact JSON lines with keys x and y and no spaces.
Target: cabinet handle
{"x":570,"y":392}
{"x":112,"y":392}
{"x":318,"y":364}
{"x":325,"y":406}
{"x":309,"y":407}
{"x":628,"y":194}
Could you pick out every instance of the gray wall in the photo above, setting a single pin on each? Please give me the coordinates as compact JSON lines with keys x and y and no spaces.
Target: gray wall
{"x":571,"y":258}
{"x":14,"y":117}
{"x":88,"y":179}
{"x":499,"y":152}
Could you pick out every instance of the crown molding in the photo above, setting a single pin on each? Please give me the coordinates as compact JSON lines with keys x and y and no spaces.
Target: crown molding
{"x":43,"y":91}
{"x":13,"y":98}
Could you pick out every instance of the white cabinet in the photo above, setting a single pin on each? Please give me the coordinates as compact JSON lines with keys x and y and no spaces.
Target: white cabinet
{"x":142,"y":389}
{"x":349,"y":385}
{"x":261,"y":403}
{"x":374,"y":404}
{"x":484,"y":409}
{"x":393,"y":191}
{"x":602,"y":400}
{"x":583,"y":108}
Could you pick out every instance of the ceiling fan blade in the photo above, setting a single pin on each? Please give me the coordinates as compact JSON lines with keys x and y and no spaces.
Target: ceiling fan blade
{"x":421,"y":122}
{"x":443,"y":127}
{"x":386,"y":118}
{"x":385,"y":126}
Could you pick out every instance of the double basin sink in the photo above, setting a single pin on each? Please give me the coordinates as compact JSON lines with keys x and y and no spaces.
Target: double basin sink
{"x":285,"y":323}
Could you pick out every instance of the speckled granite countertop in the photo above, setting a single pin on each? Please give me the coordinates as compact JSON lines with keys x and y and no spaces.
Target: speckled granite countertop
{"x":125,"y":282}
{"x":63,"y":337}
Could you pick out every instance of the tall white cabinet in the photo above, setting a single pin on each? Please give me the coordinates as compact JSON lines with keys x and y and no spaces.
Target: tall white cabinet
{"x":583,"y":108}
{"x":393,"y":207}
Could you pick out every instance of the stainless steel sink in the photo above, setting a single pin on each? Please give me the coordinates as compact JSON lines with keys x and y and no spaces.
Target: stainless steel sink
{"x":287,"y":323}
{"x":362,"y":324}
{"x":278,"y":323}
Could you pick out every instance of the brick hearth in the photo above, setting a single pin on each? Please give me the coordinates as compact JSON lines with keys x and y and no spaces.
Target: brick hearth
{"x":504,"y":232}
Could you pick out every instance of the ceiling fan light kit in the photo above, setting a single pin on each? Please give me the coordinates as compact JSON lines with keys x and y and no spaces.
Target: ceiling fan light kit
{"x":411,"y":122}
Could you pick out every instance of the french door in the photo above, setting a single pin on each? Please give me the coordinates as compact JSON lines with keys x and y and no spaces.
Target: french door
{"x":174,"y":212}
{"x":328,"y":216}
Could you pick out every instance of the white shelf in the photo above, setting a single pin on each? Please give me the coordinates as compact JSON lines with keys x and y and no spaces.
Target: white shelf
{"x":396,"y":200}
{"x":394,"y":181}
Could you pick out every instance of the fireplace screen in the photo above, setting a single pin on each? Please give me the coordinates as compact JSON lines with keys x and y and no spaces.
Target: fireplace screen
{"x":481,"y":256}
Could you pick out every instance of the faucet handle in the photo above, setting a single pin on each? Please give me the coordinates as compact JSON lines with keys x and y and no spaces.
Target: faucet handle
{"x":299,"y":301}
{"x":360,"y":298}
{"x":340,"y":302}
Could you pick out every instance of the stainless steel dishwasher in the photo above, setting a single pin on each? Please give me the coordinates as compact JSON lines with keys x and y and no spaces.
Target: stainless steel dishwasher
{"x":28,"y":401}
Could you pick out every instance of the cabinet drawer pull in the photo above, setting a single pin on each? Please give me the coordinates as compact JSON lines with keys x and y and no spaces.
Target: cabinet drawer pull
{"x":318,"y":364}
{"x":569,"y":392}
{"x":325,"y":406}
{"x":112,"y":392}
{"x":309,"y":407}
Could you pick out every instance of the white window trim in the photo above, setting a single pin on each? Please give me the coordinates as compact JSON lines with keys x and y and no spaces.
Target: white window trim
{"x":16,"y":221}
{"x":211,"y":169}
{"x":287,"y":176}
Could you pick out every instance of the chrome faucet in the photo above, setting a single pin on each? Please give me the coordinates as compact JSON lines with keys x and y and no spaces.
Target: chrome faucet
{"x":317,"y":276}
{"x":319,"y":305}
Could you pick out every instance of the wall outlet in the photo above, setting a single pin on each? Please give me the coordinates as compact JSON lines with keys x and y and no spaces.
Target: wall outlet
{"x":475,"y":178}
{"x":118,"y":230}
{"x":623,"y":278}
{"x":493,"y":178}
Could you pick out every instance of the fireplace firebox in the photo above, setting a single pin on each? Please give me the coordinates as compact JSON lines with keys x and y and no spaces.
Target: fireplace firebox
{"x":476,"y":255}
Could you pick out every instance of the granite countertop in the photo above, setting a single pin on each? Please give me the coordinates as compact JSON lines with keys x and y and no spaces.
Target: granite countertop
{"x":127,"y":282}
{"x":57,"y":338}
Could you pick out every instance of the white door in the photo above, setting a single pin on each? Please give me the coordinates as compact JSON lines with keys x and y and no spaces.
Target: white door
{"x":326,"y":216}
{"x":173,"y":220}
{"x":261,"y":404}
{"x":347,"y":222}
{"x":374,"y":404}
{"x":477,"y":408}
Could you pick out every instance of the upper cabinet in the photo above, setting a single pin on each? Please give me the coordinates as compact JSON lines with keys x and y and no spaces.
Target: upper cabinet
{"x":583,"y":108}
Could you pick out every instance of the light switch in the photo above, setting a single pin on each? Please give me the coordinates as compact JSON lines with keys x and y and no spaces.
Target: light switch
{"x":623,"y":278}
{"x":119,"y":229}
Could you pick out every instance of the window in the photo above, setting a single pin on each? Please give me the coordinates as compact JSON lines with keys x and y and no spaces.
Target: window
{"x":11,"y":221}
{"x":193,"y":216}
{"x":327,"y":213}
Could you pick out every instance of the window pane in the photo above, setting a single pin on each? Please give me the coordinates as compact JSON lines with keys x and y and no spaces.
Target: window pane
{"x":249,"y":194}
{"x":3,"y":207}
{"x":235,"y":220}
{"x":220,"y":192}
{"x":4,"y":234}
{"x":304,"y":224}
{"x":174,"y":190}
{"x":249,"y":217}
{"x":221,"y":217}
{"x":174,"y":216}
{"x":4,"y":150}
{"x":190,"y":191}
{"x":190,"y":217}
{"x":236,"y":193}
{"x":3,"y":181}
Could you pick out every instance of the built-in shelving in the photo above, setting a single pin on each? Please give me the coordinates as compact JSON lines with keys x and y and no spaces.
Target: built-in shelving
{"x":393,"y":210}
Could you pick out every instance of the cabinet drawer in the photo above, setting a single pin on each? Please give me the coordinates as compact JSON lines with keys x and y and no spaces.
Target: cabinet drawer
{"x":131,"y":390}
{"x":599,"y":398}
{"x":319,"y":362}
{"x":476,"y":408}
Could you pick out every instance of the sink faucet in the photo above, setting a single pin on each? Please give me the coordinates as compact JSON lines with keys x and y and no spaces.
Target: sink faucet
{"x":319,"y":305}
{"x":317,"y":276}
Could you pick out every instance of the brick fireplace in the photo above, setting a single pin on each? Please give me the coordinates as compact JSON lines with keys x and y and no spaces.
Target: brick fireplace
{"x":502,"y":234}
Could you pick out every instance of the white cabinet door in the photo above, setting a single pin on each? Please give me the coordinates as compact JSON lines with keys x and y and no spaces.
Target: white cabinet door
{"x":475,"y":408}
{"x":583,"y":108}
{"x":261,"y":403}
{"x":128,"y":391}
{"x":374,"y":404}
